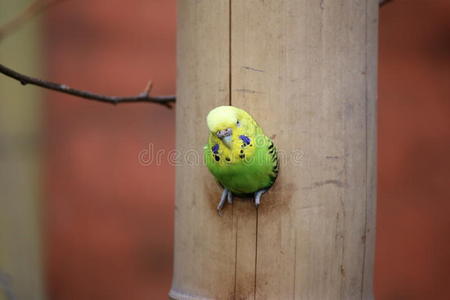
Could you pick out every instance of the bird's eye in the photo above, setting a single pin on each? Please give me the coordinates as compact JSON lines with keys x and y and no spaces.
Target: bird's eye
{"x":238,"y":123}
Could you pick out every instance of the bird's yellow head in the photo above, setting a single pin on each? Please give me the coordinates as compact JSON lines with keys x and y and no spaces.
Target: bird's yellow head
{"x":224,"y":122}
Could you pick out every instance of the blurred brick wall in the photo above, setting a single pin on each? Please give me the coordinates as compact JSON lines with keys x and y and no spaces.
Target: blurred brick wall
{"x":413,"y":224}
{"x":109,"y":219}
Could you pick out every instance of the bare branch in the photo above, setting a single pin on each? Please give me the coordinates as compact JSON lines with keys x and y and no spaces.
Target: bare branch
{"x":142,"y":97}
{"x":383,"y":2}
{"x":33,"y":9}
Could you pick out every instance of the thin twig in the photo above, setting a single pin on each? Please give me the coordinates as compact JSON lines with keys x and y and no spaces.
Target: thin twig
{"x":142,"y":97}
{"x":33,"y":9}
{"x":383,"y":2}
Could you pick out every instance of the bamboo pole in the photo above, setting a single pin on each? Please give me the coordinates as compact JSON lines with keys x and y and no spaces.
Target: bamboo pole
{"x":21,"y":271}
{"x":306,"y":70}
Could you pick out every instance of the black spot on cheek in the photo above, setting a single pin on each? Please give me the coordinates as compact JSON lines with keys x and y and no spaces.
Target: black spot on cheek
{"x":242,"y":151}
{"x":227,"y":159}
{"x":216,"y":157}
{"x":242,"y":155}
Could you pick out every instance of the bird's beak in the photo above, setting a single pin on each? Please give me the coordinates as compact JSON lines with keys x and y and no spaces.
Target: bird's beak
{"x":225,"y":136}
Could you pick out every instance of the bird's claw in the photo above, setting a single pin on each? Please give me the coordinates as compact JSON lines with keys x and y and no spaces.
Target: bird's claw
{"x":258,"y":195}
{"x":226,"y":195}
{"x":230,"y":197}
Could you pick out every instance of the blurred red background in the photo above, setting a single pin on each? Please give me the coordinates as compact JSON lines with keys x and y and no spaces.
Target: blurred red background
{"x":109,"y":218}
{"x":413,"y":223}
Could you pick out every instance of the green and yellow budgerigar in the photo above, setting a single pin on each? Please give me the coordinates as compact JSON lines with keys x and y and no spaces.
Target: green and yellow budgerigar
{"x":242,"y":159}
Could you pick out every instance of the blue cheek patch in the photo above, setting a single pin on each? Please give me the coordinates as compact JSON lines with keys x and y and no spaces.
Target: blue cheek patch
{"x":245,"y":139}
{"x":215,"y":148}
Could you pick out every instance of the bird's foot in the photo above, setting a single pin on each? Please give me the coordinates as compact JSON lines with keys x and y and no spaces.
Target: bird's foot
{"x":230,"y":197}
{"x":226,"y":195}
{"x":258,"y":195}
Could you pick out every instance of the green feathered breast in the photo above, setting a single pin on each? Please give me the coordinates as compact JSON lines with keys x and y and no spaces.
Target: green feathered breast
{"x":249,"y":165}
